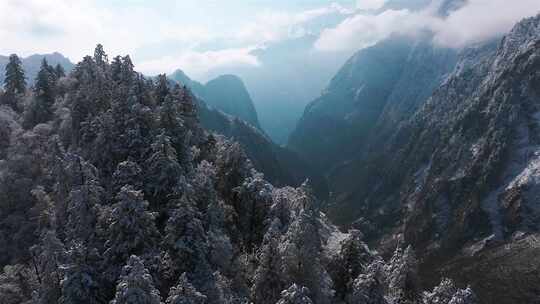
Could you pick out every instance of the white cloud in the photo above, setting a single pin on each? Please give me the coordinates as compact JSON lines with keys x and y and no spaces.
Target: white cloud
{"x":74,"y":27}
{"x":361,"y":31}
{"x":476,"y":21}
{"x":272,"y":26}
{"x":197,"y":64}
{"x":480,"y":20}
{"x":369,"y":4}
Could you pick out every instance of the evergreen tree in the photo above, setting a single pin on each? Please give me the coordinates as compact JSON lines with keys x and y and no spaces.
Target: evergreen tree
{"x":174,"y":126}
{"x":368,"y":287}
{"x":41,"y":108}
{"x":80,"y":284}
{"x":14,"y":81}
{"x":47,"y":258}
{"x":83,"y":205}
{"x":350,"y":261}
{"x":447,"y":293}
{"x":464,"y":296}
{"x":116,"y":68}
{"x":131,"y":228}
{"x":267,"y":280}
{"x":16,"y":282}
{"x":163,"y":173}
{"x":402,"y":274}
{"x":127,"y":73}
{"x":295,"y":295}
{"x":162,"y":88}
{"x":301,"y":254}
{"x":185,"y":238}
{"x":127,"y":173}
{"x":59,"y":71}
{"x":253,"y":199}
{"x":136,"y":285}
{"x":441,"y":294}
{"x":5,"y":137}
{"x":185,"y":293}
{"x":100,"y":57}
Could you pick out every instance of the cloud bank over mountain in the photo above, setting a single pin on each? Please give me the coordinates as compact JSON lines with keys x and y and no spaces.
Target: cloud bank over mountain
{"x":162,"y":37}
{"x":471,"y":23}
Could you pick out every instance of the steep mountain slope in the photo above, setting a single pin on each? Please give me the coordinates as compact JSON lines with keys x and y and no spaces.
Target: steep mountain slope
{"x":229,"y":94}
{"x":379,"y":85}
{"x":32,"y":63}
{"x":226,"y":93}
{"x":462,"y":173}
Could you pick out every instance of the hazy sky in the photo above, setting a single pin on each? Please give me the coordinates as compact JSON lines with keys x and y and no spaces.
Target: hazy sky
{"x":200,"y":35}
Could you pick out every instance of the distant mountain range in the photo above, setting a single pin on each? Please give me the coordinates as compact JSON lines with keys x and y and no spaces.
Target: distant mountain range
{"x":32,"y":63}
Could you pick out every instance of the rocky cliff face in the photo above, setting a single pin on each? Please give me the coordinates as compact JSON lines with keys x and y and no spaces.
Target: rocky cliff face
{"x":378,"y":87}
{"x":470,"y":151}
{"x":229,"y":94}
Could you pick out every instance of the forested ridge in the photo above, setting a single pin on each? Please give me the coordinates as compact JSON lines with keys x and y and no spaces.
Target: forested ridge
{"x":111,"y":192}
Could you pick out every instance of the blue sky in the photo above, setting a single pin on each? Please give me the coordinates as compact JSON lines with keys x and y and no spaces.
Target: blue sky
{"x":201,"y":35}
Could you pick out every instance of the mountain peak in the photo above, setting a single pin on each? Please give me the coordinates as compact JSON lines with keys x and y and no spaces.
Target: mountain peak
{"x":229,"y":94}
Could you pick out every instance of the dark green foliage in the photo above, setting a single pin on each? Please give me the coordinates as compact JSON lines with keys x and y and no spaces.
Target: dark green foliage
{"x":162,"y":88}
{"x":41,"y":108}
{"x":59,"y":71}
{"x":100,"y":57}
{"x":348,"y":263}
{"x":14,"y":82}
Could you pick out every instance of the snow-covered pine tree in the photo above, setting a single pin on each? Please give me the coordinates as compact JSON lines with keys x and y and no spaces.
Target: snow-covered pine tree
{"x":301,"y":256}
{"x":47,"y":258}
{"x":441,"y":294}
{"x":80,"y":284}
{"x":464,"y":296}
{"x":402,"y":275}
{"x":162,"y":88}
{"x":83,"y":205}
{"x":41,"y":108}
{"x":14,"y":82}
{"x":135,"y":285}
{"x":163,"y":173}
{"x":349,"y":262}
{"x":268,"y":281}
{"x":184,"y":293}
{"x":17,"y":283}
{"x":100,"y":57}
{"x":186,"y":240}
{"x":127,"y":173}
{"x":295,"y":294}
{"x":368,"y":287}
{"x":131,"y":228}
{"x":59,"y":71}
{"x":447,"y":293}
